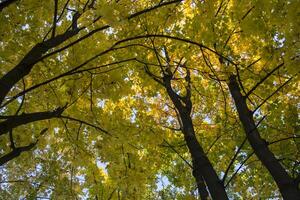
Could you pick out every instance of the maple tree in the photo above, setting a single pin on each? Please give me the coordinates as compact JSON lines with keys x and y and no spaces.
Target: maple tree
{"x":168,"y":99}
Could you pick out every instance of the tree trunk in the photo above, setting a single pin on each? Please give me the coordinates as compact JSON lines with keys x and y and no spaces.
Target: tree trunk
{"x":286,"y":184}
{"x":201,"y":164}
{"x":201,"y":187}
{"x":202,"y":168}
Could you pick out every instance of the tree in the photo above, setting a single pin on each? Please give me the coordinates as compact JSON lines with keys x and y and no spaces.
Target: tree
{"x":131,"y":99}
{"x":203,"y":170}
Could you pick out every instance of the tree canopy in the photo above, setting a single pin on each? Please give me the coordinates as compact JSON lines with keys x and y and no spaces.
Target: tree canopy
{"x":139,"y":99}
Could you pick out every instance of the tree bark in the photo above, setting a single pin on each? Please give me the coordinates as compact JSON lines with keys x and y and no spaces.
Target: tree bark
{"x":202,"y":188}
{"x":201,"y":164}
{"x":286,"y":184}
{"x":202,"y":168}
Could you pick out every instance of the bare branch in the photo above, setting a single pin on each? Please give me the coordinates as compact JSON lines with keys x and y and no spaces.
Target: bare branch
{"x":86,"y":123}
{"x":169,"y":145}
{"x":264,"y":101}
{"x":263,"y":79}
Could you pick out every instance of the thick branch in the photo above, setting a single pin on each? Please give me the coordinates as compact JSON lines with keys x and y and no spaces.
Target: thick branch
{"x":15,"y":153}
{"x":6,"y":3}
{"x":30,"y":59}
{"x":15,"y":121}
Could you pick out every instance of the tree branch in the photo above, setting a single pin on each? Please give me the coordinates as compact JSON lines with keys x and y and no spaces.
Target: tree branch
{"x":15,"y":153}
{"x":263,"y":79}
{"x":36,"y":54}
{"x":18,"y":120}
{"x":264,"y":101}
{"x":54,"y":18}
{"x":6,"y":3}
{"x":86,"y":123}
{"x":30,"y":59}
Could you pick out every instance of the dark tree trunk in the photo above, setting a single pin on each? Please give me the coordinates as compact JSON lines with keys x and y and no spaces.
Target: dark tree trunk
{"x":201,"y":187}
{"x":286,"y":184}
{"x":201,"y":164}
{"x":202,"y":168}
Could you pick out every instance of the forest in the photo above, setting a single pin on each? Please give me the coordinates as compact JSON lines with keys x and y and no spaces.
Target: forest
{"x":149,"y":99}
